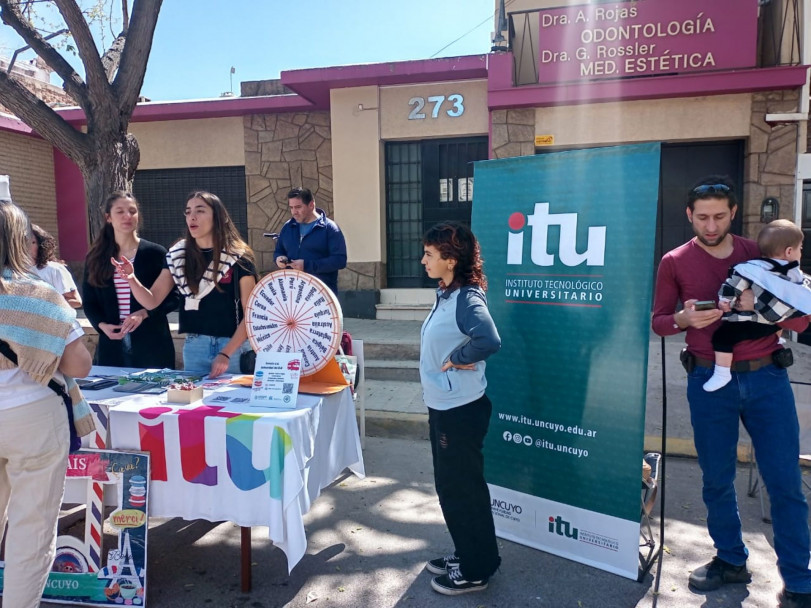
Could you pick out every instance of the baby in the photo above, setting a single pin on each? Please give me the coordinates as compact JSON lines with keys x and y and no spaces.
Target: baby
{"x":781,"y":292}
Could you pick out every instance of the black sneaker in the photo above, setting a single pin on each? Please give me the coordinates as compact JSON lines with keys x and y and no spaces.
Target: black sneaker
{"x":716,"y":573}
{"x":789,"y":599}
{"x":440,"y":564}
{"x":452,"y":583}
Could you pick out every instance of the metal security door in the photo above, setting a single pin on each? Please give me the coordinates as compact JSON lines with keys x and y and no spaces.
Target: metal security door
{"x":426,"y":182}
{"x":682,"y":166}
{"x":162,"y":196}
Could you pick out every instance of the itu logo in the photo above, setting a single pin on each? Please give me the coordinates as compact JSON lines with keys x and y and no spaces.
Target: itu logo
{"x":539,"y":222}
{"x":561,"y":527}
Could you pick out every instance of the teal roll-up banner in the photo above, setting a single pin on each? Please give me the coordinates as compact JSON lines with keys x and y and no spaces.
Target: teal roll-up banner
{"x":568,"y":241}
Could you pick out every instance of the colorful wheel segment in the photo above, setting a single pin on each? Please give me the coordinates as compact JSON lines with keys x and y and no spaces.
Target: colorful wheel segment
{"x":292,"y":311}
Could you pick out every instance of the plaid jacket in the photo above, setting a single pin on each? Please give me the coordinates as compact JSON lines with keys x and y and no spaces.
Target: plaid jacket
{"x":769,"y":308}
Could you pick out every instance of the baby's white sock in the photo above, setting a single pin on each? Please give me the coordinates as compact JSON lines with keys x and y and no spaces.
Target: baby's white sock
{"x":721,"y":376}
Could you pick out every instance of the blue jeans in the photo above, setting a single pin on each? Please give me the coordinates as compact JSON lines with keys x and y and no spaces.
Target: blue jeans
{"x":763,"y":401}
{"x":199,"y":351}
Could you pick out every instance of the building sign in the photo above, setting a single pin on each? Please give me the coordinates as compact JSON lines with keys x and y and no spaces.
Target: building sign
{"x":645,"y":38}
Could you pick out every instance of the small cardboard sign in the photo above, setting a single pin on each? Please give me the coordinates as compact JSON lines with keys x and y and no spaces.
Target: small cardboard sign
{"x":276,"y":379}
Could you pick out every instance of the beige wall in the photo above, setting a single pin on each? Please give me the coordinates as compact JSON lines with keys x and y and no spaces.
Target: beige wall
{"x":29,"y":163}
{"x":696,"y":118}
{"x":396,"y":107}
{"x":357,"y":161}
{"x":362,"y":118}
{"x":214,"y":142}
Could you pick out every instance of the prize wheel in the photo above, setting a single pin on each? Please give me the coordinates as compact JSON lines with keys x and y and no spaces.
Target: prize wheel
{"x":292,"y":311}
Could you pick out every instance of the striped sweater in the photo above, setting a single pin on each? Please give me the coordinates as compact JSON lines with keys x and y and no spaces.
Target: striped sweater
{"x":36,"y":322}
{"x":176,"y":262}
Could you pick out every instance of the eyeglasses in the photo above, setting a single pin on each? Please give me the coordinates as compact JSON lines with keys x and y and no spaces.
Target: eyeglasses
{"x":711,"y":189}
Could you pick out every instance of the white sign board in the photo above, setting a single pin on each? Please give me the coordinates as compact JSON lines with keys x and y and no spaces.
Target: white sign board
{"x":275,"y":379}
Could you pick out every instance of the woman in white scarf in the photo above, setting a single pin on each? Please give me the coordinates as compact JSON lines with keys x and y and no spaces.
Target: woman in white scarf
{"x":214,"y":270}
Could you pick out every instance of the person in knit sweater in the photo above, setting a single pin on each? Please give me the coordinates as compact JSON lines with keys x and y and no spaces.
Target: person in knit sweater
{"x":41,"y":331}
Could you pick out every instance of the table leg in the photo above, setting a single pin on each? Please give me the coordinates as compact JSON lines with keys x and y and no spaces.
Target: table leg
{"x":245,"y":554}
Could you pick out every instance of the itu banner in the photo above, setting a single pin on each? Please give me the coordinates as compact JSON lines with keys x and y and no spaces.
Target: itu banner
{"x":568,"y":242}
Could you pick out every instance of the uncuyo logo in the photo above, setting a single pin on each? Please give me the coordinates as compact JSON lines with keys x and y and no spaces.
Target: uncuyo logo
{"x":506,"y":507}
{"x":540,"y":221}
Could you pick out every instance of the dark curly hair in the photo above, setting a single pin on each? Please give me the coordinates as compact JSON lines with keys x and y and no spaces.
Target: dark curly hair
{"x":455,"y":241}
{"x":46,"y":246}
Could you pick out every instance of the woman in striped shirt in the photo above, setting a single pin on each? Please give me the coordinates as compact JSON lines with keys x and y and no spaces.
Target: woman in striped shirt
{"x":215,"y":271}
{"x":129,"y":334}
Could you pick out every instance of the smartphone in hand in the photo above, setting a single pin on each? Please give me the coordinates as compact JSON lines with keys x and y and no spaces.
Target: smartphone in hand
{"x":705,"y":305}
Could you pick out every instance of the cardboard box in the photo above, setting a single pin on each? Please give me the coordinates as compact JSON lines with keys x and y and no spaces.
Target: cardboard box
{"x":174,"y":395}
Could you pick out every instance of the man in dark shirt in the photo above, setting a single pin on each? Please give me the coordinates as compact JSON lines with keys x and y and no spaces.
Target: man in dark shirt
{"x":759,"y":395}
{"x":309,"y":241}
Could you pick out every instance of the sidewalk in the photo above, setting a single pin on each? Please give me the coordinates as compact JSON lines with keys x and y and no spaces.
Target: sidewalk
{"x":369,"y":539}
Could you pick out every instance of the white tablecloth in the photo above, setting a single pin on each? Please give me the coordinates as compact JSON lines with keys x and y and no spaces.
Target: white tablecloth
{"x":221,"y":461}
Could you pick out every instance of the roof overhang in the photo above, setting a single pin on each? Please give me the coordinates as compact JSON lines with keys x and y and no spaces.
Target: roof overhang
{"x":315,"y":84}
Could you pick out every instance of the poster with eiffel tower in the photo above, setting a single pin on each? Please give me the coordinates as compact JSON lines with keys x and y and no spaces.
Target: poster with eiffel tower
{"x":104,"y":564}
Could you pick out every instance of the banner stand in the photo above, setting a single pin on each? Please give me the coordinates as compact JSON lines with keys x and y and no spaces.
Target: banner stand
{"x":656,"y":556}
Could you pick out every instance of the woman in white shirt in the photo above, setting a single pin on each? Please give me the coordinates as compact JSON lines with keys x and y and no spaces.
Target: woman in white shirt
{"x":48,"y":267}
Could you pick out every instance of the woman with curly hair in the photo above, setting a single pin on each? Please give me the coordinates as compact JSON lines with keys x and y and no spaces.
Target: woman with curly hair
{"x":456,"y":338}
{"x":215,"y":272}
{"x":51,"y":269}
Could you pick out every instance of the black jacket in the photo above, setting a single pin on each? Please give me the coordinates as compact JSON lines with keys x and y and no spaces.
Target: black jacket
{"x":152,"y":344}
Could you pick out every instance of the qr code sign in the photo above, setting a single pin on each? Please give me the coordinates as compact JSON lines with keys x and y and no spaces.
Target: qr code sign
{"x":287,"y":388}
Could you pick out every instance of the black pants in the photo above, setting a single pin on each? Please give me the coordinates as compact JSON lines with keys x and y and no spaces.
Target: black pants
{"x":457,"y":438}
{"x":731,"y":332}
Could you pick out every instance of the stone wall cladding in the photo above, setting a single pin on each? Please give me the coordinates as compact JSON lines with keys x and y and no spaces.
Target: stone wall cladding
{"x":770,"y":162}
{"x":360,"y":276}
{"x":283,"y":151}
{"x":513,"y":133}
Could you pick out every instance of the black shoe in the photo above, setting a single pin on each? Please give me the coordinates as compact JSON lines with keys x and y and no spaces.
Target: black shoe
{"x":717,"y":573}
{"x":452,"y":583}
{"x":440,"y":564}
{"x":789,"y":599}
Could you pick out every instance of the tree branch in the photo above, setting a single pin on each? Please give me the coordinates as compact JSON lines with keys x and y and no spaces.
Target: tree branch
{"x":88,"y":53}
{"x":130,"y":78}
{"x":47,"y":123}
{"x":112,"y":57}
{"x":75,"y":87}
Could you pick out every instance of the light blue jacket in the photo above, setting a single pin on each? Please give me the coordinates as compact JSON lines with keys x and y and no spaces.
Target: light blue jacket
{"x":459,"y":329}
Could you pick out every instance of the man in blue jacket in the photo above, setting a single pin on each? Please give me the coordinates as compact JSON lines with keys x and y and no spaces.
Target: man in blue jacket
{"x":309,"y":241}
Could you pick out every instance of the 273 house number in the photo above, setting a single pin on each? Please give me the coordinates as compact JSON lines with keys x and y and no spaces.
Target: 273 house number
{"x":456,"y":103}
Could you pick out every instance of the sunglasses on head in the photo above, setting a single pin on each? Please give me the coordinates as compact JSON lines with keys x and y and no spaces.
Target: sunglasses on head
{"x":711,"y":189}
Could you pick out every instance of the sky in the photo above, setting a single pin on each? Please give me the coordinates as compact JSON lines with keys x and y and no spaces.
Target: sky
{"x":197,"y":42}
